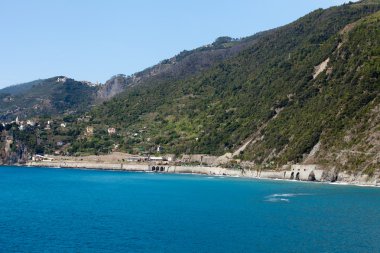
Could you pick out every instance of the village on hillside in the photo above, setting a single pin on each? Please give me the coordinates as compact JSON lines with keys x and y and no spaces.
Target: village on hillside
{"x":157,"y":155}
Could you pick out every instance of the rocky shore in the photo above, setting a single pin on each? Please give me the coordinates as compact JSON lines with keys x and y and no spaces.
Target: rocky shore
{"x":299,"y":172}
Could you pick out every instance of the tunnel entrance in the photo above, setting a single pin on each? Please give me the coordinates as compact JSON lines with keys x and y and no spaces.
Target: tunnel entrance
{"x":298,"y":176}
{"x":158,"y":168}
{"x":311,"y":176}
{"x":292,"y":175}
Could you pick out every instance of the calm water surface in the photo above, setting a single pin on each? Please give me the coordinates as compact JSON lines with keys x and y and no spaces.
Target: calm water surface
{"x":61,"y":210}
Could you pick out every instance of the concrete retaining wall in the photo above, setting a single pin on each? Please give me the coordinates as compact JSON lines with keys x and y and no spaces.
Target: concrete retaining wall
{"x":303,"y":171}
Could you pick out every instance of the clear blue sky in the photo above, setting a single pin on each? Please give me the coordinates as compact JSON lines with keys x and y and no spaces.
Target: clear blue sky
{"x":95,"y":39}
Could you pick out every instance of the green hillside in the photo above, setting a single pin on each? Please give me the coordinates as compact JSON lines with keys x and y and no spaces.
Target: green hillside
{"x":20,"y":88}
{"x":307,"y":92}
{"x":46,"y":97}
{"x":179,"y":67}
{"x":268,"y":87}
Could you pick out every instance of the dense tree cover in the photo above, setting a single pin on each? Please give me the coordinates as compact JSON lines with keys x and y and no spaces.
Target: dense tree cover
{"x":215,"y":111}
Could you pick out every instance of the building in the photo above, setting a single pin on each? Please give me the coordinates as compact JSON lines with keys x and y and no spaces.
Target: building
{"x":137,"y":159}
{"x":111,"y":130}
{"x":61,"y":79}
{"x":30,"y":123}
{"x":199,"y":158}
{"x":89,"y":130}
{"x":170,"y":157}
{"x":156,"y":158}
{"x":185,"y":158}
{"x":39,"y":158}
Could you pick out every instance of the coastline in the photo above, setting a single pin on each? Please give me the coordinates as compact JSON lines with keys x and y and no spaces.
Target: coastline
{"x":342,"y":179}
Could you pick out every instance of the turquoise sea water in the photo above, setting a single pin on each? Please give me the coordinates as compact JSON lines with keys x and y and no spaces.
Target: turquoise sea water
{"x":62,"y":210}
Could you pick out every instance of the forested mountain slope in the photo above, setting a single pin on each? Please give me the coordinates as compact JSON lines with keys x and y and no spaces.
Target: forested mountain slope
{"x":303,"y":84}
{"x":44,"y":95}
{"x":181,"y":66}
{"x":56,"y":95}
{"x":307,"y":92}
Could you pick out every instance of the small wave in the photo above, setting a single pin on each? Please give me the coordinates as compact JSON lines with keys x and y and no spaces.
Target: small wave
{"x":277,"y":200}
{"x":289,"y":195}
{"x":283,"y":197}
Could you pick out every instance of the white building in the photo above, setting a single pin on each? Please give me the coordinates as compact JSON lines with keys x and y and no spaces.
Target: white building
{"x":156,"y":158}
{"x":111,"y":130}
{"x":30,"y":123}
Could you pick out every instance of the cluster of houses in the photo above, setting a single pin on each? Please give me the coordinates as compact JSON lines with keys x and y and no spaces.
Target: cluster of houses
{"x":90,"y":131}
{"x":111,"y":131}
{"x":21,"y":123}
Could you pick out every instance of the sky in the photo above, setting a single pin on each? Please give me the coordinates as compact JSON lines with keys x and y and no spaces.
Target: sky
{"x":95,"y":39}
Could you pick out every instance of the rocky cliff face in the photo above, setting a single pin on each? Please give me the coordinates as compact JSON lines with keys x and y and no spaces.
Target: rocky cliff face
{"x":13,"y":151}
{"x":112,"y":87}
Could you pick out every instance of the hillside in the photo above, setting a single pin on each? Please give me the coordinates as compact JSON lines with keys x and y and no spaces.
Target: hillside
{"x":307,"y":92}
{"x":17,"y":100}
{"x":276,"y":96}
{"x":20,"y":88}
{"x":56,"y":95}
{"x":179,"y":67}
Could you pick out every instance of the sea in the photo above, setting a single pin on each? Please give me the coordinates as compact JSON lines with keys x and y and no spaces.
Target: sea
{"x":73,"y":210}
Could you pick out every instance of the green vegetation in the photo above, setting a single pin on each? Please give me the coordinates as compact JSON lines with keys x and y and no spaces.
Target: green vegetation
{"x":216,"y":97}
{"x":215,"y":111}
{"x":46,"y":97}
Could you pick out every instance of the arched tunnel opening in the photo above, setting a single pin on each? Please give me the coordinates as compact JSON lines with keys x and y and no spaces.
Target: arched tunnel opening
{"x":298,"y":176}
{"x":292,"y":175}
{"x":311,"y":176}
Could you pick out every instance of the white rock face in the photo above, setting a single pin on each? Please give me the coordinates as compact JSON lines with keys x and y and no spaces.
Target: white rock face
{"x":320,"y":68}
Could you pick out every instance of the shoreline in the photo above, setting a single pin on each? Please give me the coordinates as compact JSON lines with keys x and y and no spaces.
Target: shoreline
{"x":197,"y":170}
